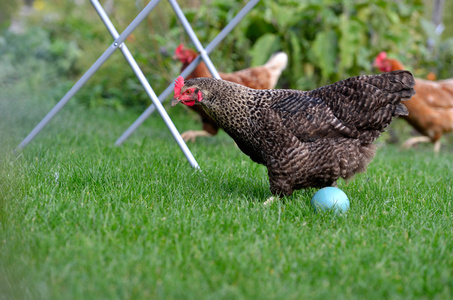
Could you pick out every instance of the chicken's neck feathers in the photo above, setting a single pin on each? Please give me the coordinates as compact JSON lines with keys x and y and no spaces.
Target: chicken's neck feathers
{"x":230,"y":107}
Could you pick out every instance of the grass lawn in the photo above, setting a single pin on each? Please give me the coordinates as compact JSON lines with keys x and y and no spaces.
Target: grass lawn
{"x":83,"y":219}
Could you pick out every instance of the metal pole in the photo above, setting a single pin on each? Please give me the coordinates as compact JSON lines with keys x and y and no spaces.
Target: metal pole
{"x":138,"y":72}
{"x":209,"y":48}
{"x":194,"y":38}
{"x":438,"y":10}
{"x":436,"y":18}
{"x":108,"y":52}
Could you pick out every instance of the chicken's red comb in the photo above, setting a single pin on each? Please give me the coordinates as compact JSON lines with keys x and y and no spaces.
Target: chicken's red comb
{"x":179,"y":49}
{"x":179,"y":83}
{"x":381,"y":56}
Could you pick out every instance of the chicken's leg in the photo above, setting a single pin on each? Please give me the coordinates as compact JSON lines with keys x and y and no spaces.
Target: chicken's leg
{"x":191,"y":135}
{"x":437,"y":147}
{"x":415,"y":140}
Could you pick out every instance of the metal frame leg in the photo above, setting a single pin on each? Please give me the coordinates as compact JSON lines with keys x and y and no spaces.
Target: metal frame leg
{"x":138,"y":72}
{"x":118,"y":43}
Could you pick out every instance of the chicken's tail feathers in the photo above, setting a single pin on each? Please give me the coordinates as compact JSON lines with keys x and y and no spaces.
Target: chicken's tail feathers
{"x":276,"y":64}
{"x":400,"y":110}
{"x":401,"y":82}
{"x":278,"y":61}
{"x":399,"y":86}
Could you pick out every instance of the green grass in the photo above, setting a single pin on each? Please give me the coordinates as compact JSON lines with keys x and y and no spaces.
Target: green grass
{"x":83,"y":219}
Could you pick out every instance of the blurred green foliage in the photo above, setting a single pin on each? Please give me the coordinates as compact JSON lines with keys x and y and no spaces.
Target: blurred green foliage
{"x":34,"y":52}
{"x":8,"y":9}
{"x":326,"y":40}
{"x":331,"y":40}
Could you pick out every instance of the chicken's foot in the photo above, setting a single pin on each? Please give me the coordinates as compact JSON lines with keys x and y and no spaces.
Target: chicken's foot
{"x":269,"y":201}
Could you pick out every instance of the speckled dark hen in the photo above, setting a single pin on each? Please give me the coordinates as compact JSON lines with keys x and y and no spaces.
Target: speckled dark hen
{"x":304,"y":138}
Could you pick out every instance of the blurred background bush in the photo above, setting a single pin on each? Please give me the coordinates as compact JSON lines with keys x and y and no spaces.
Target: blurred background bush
{"x":326,"y":40}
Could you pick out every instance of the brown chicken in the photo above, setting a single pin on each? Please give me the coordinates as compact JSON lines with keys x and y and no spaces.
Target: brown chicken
{"x":304,"y":138}
{"x":262,"y":77}
{"x":430,"y":110}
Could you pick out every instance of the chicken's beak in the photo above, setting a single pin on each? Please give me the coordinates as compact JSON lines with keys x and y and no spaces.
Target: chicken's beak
{"x":174,"y":102}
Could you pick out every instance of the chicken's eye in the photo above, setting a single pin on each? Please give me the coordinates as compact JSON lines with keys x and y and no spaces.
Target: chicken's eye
{"x":187,"y":92}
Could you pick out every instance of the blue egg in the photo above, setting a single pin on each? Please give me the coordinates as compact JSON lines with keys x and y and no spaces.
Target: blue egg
{"x":330,"y":198}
